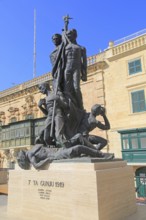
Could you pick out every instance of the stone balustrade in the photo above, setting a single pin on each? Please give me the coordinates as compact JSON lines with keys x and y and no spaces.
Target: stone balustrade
{"x":129,"y":45}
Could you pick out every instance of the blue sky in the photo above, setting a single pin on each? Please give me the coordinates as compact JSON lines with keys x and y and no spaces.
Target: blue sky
{"x":96,"y":21}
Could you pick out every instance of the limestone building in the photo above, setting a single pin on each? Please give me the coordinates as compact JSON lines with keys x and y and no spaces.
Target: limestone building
{"x":116,"y":80}
{"x":125,"y":91}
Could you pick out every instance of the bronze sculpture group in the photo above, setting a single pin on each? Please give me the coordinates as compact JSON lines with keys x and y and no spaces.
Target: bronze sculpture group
{"x":67,"y":125}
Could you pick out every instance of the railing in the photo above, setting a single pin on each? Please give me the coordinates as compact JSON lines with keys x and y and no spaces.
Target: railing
{"x":134,"y":155}
{"x":130,"y":37}
{"x":140,"y":186}
{"x":96,"y":58}
{"x":91,"y":60}
{"x":129,"y":45}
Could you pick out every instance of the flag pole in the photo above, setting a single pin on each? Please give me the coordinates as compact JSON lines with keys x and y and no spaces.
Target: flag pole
{"x":34,"y":46}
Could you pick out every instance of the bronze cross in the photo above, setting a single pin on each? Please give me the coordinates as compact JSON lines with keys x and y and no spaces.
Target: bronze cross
{"x":66,"y":22}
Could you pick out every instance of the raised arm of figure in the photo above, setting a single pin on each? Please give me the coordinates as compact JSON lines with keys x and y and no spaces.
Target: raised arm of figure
{"x":106,"y":125}
{"x":42,"y":106}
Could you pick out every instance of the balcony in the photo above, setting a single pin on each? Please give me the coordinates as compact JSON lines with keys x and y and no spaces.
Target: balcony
{"x":21,"y":133}
{"x":134,"y":156}
{"x":134,"y":145}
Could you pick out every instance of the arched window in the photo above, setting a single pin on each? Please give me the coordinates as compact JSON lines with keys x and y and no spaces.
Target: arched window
{"x":14,"y":119}
{"x":29,"y":116}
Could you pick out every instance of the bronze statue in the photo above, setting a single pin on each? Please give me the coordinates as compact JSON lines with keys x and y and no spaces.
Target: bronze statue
{"x":89,"y":123}
{"x":67,"y":124}
{"x":39,"y":155}
{"x":46,"y":106}
{"x":75,"y":67}
{"x":57,"y":39}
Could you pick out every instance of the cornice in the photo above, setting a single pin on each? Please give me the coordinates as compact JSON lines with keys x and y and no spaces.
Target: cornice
{"x":96,"y":67}
{"x":18,"y":94}
{"x":24,"y":87}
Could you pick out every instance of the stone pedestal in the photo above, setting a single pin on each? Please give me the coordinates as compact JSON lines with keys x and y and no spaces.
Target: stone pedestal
{"x":73,"y":191}
{"x":3,"y":176}
{"x":3,"y":181}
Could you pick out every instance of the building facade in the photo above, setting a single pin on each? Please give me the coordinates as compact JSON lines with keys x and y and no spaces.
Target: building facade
{"x":116,"y":80}
{"x":125,"y":91}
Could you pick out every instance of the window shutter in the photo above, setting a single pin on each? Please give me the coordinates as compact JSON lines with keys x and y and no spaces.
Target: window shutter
{"x":138,"y":101}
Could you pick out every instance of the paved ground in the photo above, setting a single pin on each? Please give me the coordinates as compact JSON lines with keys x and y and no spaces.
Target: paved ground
{"x":140,"y":215}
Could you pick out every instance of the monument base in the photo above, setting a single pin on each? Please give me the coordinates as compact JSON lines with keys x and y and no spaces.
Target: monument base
{"x":73,"y":191}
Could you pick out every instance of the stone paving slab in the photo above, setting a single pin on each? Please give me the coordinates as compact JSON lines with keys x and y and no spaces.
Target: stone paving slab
{"x":140,"y":215}
{"x":3,"y":200}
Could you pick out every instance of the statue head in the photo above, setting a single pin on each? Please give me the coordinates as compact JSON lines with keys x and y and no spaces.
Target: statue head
{"x":75,"y":33}
{"x":23,"y":161}
{"x":57,"y":39}
{"x":44,"y":87}
{"x":96,"y":109}
{"x":72,"y":35}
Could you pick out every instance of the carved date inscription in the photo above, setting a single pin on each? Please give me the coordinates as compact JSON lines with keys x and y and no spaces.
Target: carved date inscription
{"x":45,"y":187}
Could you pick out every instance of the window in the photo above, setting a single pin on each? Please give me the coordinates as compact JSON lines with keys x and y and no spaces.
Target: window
{"x":21,"y":133}
{"x":125,"y":144}
{"x":143,"y":142}
{"x":138,"y":101}
{"x":14,"y":119}
{"x":133,"y":139}
{"x":39,"y":126}
{"x":30,"y":116}
{"x":134,"y":66}
{"x":16,"y":134}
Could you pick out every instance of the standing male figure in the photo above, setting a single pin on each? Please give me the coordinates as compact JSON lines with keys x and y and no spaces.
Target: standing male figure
{"x":75,"y":67}
{"x":57,"y":39}
{"x":46,"y":106}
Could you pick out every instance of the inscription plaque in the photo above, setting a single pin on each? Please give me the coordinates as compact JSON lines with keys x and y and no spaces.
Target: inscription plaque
{"x":43,"y":187}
